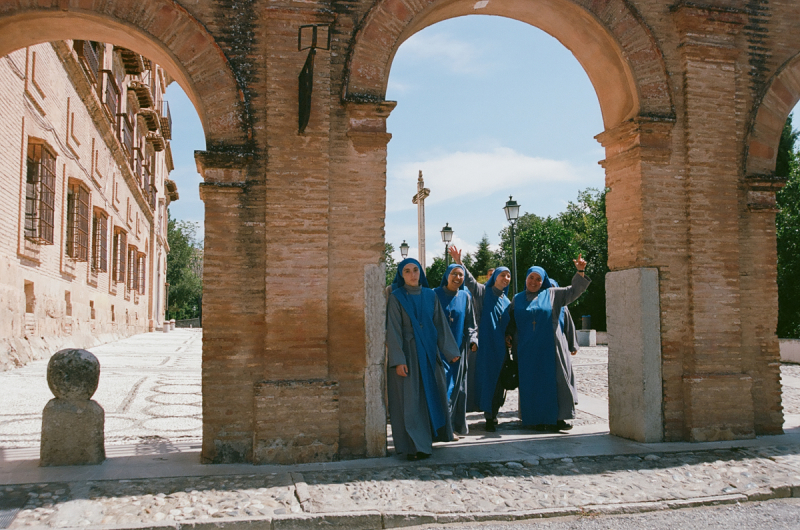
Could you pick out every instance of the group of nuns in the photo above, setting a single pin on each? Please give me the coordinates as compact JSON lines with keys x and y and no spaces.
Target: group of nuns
{"x":447,"y":346}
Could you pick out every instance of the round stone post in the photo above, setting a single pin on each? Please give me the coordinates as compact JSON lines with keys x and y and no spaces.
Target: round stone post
{"x":73,"y":423}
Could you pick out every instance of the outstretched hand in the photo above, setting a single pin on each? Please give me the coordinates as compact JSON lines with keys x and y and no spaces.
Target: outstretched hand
{"x":455,"y":254}
{"x":580,"y":263}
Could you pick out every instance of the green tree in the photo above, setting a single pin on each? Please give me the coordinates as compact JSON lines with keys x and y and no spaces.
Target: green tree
{"x":391,"y":265}
{"x":553,"y":242}
{"x":587,"y":220}
{"x":184,"y":266}
{"x":435,"y":272}
{"x":788,"y":235}
{"x":483,"y":260}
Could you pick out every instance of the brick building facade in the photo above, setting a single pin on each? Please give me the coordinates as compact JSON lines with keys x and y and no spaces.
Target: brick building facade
{"x":693,"y":96}
{"x":85,"y":137}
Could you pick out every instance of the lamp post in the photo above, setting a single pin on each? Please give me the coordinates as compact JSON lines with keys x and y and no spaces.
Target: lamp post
{"x":447,"y":237}
{"x":512,"y":214}
{"x":404,"y":249}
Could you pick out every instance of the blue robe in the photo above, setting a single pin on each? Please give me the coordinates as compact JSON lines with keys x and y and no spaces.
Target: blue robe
{"x":546,"y":384}
{"x":460,"y":315}
{"x":491,"y":341}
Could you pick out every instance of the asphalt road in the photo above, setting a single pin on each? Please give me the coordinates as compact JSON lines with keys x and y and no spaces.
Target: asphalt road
{"x":776,"y":514}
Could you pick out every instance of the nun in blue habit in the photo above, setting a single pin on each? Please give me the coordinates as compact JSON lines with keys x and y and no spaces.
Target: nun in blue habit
{"x":491,"y":312}
{"x":419,"y":342}
{"x":547,"y":394}
{"x":457,"y":304}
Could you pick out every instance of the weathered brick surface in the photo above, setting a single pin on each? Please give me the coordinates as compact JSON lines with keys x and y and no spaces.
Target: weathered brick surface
{"x":693,"y":96}
{"x":296,"y":420}
{"x":47,"y":97}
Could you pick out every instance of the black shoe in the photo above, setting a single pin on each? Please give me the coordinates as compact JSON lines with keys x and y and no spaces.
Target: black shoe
{"x":539,"y":427}
{"x":491,"y":425}
{"x":561,"y":425}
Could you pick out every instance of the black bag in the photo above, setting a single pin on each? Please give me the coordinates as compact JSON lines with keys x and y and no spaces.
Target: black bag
{"x":509,"y":374}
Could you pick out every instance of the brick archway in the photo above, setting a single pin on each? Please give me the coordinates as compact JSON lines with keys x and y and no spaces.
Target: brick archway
{"x":162,"y":31}
{"x":608,"y":38}
{"x":769,"y":115}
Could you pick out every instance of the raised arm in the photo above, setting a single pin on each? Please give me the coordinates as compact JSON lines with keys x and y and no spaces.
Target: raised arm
{"x":566,"y":295}
{"x":475,"y":287}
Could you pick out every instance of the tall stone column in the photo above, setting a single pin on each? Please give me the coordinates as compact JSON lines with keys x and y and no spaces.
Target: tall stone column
{"x":358,"y":305}
{"x":718,"y":400}
{"x":233,"y":302}
{"x":297,"y":401}
{"x":642,"y":259}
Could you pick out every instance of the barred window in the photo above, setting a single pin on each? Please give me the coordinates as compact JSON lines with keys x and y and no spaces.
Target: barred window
{"x":40,"y":196}
{"x":142,"y":270}
{"x":133,"y":273}
{"x":78,"y":221}
{"x":119,"y":254}
{"x":100,"y":243}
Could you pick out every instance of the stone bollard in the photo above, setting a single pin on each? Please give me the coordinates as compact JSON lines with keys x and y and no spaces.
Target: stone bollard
{"x":72,"y":423}
{"x":172,"y":324}
{"x":166,"y":326}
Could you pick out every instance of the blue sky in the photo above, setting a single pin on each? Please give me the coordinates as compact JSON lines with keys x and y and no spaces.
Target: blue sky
{"x":487,"y":107}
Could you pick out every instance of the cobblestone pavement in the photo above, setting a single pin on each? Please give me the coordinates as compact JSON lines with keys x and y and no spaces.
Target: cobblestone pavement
{"x":150,"y":388}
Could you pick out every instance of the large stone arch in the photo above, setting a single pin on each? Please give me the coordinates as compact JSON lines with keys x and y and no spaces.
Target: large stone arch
{"x":608,"y":38}
{"x":161,"y":30}
{"x":769,"y":114}
{"x":629,"y":74}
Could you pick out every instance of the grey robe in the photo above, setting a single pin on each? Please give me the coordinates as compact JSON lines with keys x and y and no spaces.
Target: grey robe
{"x":408,"y":409}
{"x":565,"y":378}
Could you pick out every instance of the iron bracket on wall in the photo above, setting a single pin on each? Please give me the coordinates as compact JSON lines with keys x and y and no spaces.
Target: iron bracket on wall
{"x":309,"y":37}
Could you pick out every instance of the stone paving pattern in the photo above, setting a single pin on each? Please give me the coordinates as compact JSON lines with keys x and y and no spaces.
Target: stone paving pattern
{"x":150,"y":388}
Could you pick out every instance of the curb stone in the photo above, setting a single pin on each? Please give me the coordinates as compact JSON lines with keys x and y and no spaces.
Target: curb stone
{"x":375,"y":520}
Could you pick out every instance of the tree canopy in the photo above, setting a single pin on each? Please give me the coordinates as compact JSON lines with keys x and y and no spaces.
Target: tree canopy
{"x":787,"y":224}
{"x":184,"y":270}
{"x":553,"y":242}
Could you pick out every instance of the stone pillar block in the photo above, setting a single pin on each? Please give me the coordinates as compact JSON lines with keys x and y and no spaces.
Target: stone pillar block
{"x":296,"y":421}
{"x":587,"y":338}
{"x":634,"y":355}
{"x":73,"y":425}
{"x":375,"y":375}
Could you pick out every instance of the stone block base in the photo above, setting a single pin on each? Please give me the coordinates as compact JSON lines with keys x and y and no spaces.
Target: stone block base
{"x":790,"y":350}
{"x":634,"y":355}
{"x":587,"y":338}
{"x":72,"y":433}
{"x":719,"y":407}
{"x":296,"y":421}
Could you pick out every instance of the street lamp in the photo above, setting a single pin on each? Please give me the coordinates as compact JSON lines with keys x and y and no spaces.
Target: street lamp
{"x":447,"y":237}
{"x":404,"y":249}
{"x":512,"y":214}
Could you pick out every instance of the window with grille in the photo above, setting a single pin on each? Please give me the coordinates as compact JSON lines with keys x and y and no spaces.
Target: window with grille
{"x":40,"y":196}
{"x":142,"y":270}
{"x":78,"y":221}
{"x":119,"y":250}
{"x":100,"y":241}
{"x":133,"y":273}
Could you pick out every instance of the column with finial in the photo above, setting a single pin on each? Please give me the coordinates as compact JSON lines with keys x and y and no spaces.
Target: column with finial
{"x":419,"y":200}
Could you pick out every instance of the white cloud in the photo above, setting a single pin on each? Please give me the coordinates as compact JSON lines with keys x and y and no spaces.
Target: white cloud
{"x":472,"y":174}
{"x":456,"y":55}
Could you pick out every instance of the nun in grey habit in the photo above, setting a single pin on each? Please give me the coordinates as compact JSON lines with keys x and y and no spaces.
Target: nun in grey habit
{"x":417,"y":337}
